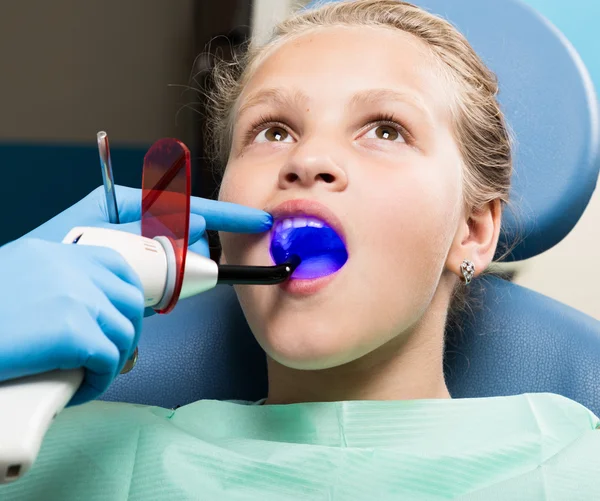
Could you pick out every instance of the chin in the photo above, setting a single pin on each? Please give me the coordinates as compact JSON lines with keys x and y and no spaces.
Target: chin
{"x":307,"y":347}
{"x":305,"y":362}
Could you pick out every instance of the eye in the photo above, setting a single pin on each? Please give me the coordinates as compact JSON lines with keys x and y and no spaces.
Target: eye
{"x":274,"y":135}
{"x":385,"y":132}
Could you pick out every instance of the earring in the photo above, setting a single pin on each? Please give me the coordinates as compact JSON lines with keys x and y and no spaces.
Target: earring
{"x":468,"y":270}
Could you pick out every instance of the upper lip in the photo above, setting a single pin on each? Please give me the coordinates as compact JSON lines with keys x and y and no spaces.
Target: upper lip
{"x":309,"y":208}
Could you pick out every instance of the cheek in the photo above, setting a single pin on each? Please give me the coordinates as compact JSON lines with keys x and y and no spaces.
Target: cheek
{"x":411,"y":224}
{"x":420,"y":211}
{"x":250,"y":180}
{"x":235,"y":187}
{"x":416,"y":205}
{"x":249,"y":188}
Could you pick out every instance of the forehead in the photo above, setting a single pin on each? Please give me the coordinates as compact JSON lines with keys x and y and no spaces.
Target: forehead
{"x":334,"y":63}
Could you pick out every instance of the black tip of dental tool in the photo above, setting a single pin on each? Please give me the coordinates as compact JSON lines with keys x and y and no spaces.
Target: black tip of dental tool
{"x":257,"y":275}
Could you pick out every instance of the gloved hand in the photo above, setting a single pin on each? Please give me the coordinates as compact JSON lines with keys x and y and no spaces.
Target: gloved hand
{"x":91,"y":211}
{"x":67,"y":306}
{"x":204,"y":214}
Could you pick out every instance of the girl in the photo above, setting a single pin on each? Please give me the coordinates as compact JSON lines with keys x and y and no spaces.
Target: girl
{"x":371,"y":124}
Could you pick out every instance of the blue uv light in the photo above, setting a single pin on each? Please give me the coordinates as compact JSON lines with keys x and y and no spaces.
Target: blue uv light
{"x":321,"y":250}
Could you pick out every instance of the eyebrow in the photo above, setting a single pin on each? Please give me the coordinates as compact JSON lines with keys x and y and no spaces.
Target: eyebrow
{"x":376,"y":96}
{"x":366,"y":98}
{"x":273,"y":96}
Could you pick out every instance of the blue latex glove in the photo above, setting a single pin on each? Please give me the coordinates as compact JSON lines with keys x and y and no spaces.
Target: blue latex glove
{"x":91,"y":211}
{"x":67,"y":306}
{"x":204,"y":214}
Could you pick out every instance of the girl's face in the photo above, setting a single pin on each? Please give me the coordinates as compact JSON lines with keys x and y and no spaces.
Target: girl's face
{"x":353,"y":124}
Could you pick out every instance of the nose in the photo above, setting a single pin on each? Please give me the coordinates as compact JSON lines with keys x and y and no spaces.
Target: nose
{"x":312,"y":166}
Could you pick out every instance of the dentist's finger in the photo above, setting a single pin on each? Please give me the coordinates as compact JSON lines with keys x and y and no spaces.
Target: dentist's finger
{"x":230,"y":217}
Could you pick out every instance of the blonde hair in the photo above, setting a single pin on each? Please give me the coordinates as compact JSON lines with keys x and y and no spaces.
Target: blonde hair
{"x":481,"y":133}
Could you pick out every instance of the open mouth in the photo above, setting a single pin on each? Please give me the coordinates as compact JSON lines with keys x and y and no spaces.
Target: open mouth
{"x":321,"y":250}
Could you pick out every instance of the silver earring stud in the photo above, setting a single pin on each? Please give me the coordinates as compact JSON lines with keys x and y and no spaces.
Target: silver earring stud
{"x":468,"y":270}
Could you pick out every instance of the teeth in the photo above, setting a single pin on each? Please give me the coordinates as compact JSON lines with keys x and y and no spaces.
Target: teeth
{"x":298,"y":222}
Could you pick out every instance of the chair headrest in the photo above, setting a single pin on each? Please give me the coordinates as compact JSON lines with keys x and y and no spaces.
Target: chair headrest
{"x":549,"y":101}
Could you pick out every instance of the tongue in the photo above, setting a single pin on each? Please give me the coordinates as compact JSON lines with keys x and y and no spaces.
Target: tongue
{"x":321,"y":250}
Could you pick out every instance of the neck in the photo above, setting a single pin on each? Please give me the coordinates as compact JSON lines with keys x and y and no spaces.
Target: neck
{"x":408,"y":367}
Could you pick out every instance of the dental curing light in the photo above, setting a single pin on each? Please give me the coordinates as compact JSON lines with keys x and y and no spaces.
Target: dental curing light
{"x":155,"y":262}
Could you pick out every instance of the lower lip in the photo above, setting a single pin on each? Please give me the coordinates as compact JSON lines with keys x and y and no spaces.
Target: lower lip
{"x":307,"y":287}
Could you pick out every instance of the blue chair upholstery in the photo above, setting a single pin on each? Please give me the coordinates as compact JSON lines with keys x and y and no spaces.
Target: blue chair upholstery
{"x":519,"y":341}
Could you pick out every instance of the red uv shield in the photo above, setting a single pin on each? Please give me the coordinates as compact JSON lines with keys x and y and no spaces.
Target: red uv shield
{"x":166,"y":193}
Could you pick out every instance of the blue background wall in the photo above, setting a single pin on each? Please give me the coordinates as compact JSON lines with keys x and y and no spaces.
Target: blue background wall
{"x":39,"y":181}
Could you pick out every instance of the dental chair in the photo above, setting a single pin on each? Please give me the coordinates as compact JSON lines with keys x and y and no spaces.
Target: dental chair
{"x":519,"y":341}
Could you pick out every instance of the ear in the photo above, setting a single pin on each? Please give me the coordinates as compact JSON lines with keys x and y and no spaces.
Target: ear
{"x":476,"y":239}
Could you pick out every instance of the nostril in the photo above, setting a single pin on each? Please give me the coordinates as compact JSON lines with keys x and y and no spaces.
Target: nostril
{"x":292,"y":177}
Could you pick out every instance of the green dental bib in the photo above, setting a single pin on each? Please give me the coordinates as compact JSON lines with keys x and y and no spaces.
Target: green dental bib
{"x":529,"y":447}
